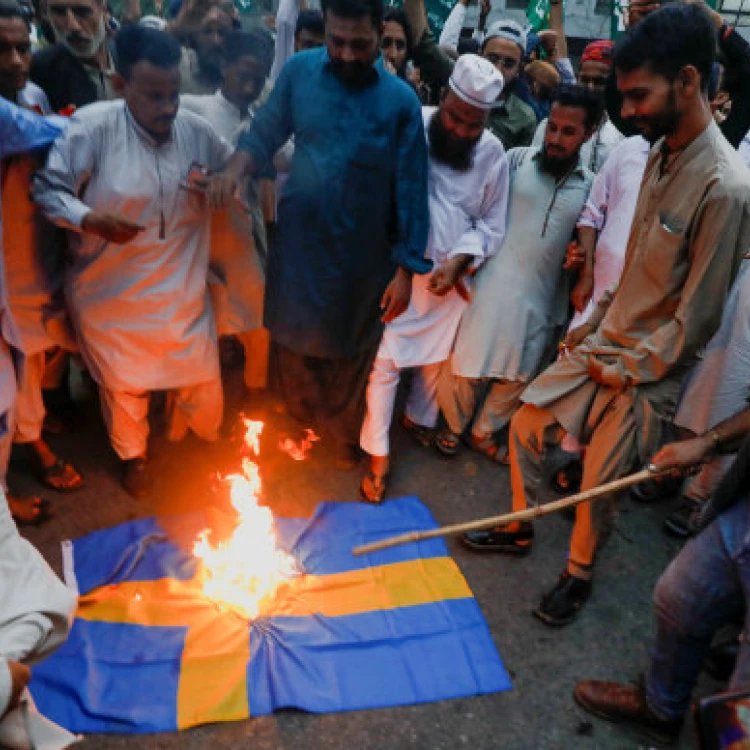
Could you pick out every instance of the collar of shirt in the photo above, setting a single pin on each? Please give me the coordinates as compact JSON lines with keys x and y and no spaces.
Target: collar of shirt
{"x":674,"y":160}
{"x":224,"y":102}
{"x":142,"y":133}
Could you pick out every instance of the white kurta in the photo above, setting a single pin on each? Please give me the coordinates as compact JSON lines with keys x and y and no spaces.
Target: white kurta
{"x":467,"y":217}
{"x":141,"y":309}
{"x":238,"y":279}
{"x":36,"y":613}
{"x":609,"y":209}
{"x":596,"y":150}
{"x":33,"y":97}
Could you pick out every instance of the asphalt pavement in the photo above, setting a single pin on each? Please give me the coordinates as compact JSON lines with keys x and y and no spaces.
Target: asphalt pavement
{"x":610,"y":640}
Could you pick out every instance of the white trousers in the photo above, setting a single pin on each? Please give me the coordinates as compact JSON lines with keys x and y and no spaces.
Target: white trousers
{"x":197,"y":407}
{"x":421,"y":405}
{"x":30,"y":409}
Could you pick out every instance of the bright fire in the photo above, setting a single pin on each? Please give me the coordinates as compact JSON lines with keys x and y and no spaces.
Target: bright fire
{"x":298,"y":450}
{"x":248,"y":567}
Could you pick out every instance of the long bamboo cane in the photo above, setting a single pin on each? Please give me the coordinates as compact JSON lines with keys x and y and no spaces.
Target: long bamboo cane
{"x":522,"y":515}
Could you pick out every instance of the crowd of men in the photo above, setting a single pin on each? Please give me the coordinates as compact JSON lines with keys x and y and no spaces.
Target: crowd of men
{"x":558,"y":258}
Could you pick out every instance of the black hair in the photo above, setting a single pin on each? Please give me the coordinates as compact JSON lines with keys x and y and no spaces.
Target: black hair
{"x":11,"y":9}
{"x":373,"y":9}
{"x":579,"y":96}
{"x":136,"y":43}
{"x":255,"y":42}
{"x":398,"y":16}
{"x":668,"y":40}
{"x":467,"y":45}
{"x":312,"y":21}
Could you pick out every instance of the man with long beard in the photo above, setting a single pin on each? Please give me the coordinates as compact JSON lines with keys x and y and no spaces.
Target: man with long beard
{"x":505,"y":335}
{"x":78,"y":70}
{"x":617,"y":388}
{"x":468,"y":192}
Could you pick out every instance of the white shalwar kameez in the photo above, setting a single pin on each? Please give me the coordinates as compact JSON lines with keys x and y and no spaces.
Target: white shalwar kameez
{"x":609,"y":209}
{"x":20,"y":131}
{"x":35,"y":617}
{"x":237,"y":277}
{"x":467,"y":217}
{"x":141,"y":310}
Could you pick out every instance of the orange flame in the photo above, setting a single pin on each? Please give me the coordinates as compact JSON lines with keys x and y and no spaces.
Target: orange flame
{"x":298,"y":450}
{"x":248,"y":567}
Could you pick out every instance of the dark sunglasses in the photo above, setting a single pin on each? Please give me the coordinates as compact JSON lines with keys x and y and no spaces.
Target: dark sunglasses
{"x":79,"y":11}
{"x":389,"y":41}
{"x":505,"y":62}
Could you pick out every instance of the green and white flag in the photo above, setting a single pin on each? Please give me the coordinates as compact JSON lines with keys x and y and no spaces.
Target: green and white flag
{"x":538,"y":14}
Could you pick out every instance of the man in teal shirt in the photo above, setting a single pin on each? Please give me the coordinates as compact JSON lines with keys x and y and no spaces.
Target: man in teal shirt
{"x":353,"y":217}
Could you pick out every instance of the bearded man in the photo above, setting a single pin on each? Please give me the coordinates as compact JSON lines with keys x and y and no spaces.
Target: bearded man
{"x":78,"y":69}
{"x":616,"y":389}
{"x":505,"y":335}
{"x":468,"y":191}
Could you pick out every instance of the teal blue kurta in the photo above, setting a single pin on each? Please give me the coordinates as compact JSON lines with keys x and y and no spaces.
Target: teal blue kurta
{"x":354,"y":207}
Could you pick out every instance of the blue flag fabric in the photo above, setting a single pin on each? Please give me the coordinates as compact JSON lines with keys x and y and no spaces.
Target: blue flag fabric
{"x":148,"y":653}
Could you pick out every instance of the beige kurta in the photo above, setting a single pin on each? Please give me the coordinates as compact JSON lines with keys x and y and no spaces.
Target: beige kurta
{"x":690,"y":230}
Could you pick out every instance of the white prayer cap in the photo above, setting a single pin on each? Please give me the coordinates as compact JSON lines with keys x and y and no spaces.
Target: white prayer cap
{"x":153,"y":22}
{"x":477,"y":81}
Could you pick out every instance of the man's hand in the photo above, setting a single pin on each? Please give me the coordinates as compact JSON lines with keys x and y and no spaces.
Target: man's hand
{"x":110,"y":227}
{"x":389,"y":66}
{"x":582,"y":292}
{"x":221,"y":189}
{"x":20,"y":676}
{"x":548,"y":42}
{"x":685,"y":456}
{"x":574,"y":337}
{"x":397,"y":296}
{"x":605,"y":374}
{"x":445,"y":277}
{"x":575,"y":257}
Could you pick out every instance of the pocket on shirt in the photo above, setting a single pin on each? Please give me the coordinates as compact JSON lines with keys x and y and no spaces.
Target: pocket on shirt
{"x":663,"y":252}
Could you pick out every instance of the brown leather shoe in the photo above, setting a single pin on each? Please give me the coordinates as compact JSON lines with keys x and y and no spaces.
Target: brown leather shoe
{"x":626,"y":703}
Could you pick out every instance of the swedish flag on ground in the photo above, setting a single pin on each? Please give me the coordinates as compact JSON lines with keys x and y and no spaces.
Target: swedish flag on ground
{"x":148,"y":653}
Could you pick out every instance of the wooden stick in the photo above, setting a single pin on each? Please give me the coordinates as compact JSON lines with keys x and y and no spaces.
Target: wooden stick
{"x":521,"y":515}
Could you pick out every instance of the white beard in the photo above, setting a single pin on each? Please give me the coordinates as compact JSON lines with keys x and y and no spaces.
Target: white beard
{"x":91,"y":48}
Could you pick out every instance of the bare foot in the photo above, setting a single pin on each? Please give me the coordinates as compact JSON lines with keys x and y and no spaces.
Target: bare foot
{"x":28,"y":510}
{"x":52,"y":470}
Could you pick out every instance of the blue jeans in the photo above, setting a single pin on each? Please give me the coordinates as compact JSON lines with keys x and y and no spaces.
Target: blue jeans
{"x":705,"y":587}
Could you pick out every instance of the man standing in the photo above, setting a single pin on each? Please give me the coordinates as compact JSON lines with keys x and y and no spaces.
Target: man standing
{"x":506,"y":333}
{"x":596,"y":65}
{"x":78,"y":69}
{"x":468,"y":200}
{"x":353,"y":217}
{"x":121,"y":180}
{"x":200,"y":66}
{"x":33,"y":259}
{"x":20,"y":131}
{"x":238,"y":235}
{"x":617,"y":387}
